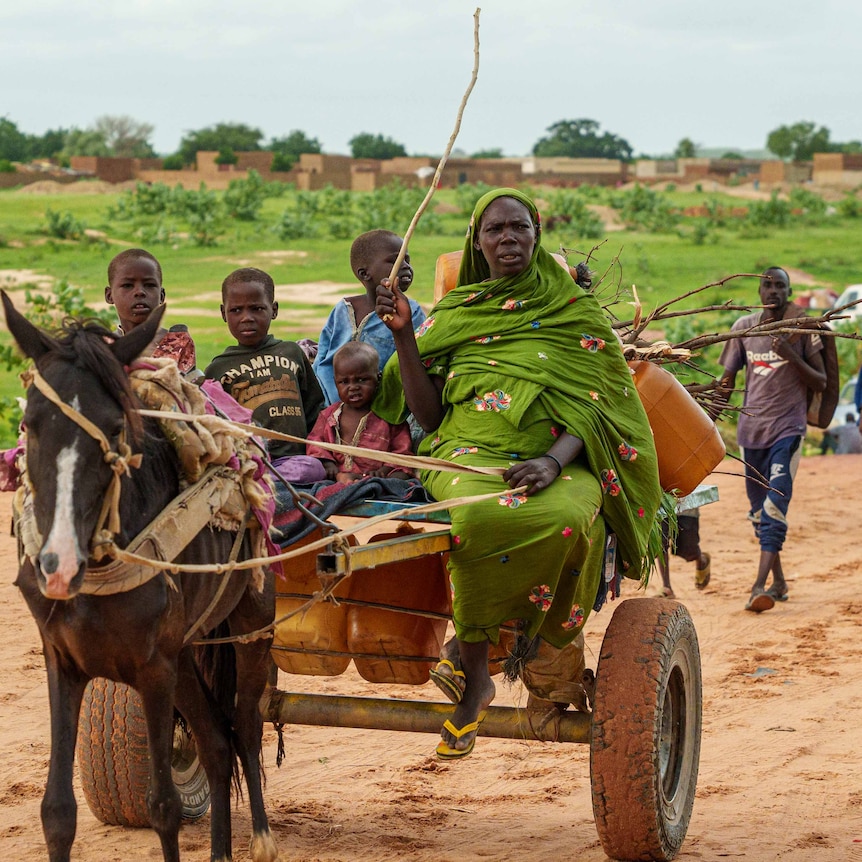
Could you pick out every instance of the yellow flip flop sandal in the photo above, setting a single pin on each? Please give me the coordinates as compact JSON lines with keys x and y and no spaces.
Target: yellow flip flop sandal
{"x":451,"y":684}
{"x":445,"y":752}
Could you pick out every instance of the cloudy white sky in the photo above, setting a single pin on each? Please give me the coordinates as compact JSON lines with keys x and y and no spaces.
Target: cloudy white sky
{"x":651,"y":71}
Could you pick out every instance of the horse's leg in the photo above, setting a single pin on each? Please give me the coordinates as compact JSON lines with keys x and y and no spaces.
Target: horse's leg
{"x":59,"y":809}
{"x":212,"y":735}
{"x":163,"y":799}
{"x":254,"y":611}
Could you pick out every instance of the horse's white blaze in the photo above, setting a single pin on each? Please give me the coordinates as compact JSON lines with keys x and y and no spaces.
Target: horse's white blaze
{"x":62,"y":542}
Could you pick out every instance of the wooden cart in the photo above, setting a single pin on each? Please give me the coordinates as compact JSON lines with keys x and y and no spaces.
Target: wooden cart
{"x":644,"y":729}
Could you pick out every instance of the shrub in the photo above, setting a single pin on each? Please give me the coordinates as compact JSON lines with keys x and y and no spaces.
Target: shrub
{"x":566,"y":207}
{"x":244,"y":197}
{"x":849,"y":206}
{"x":467,"y":194}
{"x":6,"y":167}
{"x":643,"y":209}
{"x":772,"y":213}
{"x":295,"y":225}
{"x":63,"y":225}
{"x":814,"y":208}
{"x":391,"y":208}
{"x":173,"y":163}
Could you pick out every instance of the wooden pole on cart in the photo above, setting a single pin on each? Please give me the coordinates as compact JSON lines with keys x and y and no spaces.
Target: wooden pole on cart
{"x":442,"y":163}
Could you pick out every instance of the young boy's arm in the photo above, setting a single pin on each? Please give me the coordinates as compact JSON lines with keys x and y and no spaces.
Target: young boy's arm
{"x":322,"y":365}
{"x":313,"y":399}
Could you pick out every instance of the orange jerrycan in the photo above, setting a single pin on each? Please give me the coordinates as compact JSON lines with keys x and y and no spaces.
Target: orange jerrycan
{"x":385,"y":635}
{"x":322,"y":627}
{"x":687,"y":442}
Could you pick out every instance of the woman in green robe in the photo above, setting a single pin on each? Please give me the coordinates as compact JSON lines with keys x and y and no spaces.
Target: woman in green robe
{"x":517,"y":367}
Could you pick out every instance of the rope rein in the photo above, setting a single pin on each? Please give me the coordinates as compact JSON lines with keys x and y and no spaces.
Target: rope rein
{"x":121,"y":462}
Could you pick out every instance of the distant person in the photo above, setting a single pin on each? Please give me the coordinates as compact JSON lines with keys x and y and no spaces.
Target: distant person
{"x":372,"y":256}
{"x":135,"y":290}
{"x":350,"y":421}
{"x":272,"y":378}
{"x":846,"y":439}
{"x":779,"y":371}
{"x":857,"y":392}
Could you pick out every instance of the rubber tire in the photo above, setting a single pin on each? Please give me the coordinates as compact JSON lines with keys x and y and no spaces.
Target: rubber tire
{"x":113,"y":760}
{"x":645,"y":731}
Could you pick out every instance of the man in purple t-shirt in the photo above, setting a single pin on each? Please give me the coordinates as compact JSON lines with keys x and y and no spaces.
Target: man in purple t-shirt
{"x":779,"y":371}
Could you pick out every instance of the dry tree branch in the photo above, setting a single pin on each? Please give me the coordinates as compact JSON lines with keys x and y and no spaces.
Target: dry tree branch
{"x":415,"y":220}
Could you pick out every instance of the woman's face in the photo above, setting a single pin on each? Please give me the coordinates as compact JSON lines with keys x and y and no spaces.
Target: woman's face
{"x":506,"y":237}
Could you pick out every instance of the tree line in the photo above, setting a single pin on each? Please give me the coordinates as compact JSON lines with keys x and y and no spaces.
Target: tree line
{"x":124,"y":136}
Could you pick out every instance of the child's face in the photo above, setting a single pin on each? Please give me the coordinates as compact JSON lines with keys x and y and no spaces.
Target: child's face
{"x":248,"y":312}
{"x":379,"y":264}
{"x":135,"y":290}
{"x":356,"y":381}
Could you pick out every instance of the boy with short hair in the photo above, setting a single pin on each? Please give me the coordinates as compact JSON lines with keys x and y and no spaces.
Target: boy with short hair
{"x":351,"y":421}
{"x":372,"y":256}
{"x":270,"y":377}
{"x":135,"y":289}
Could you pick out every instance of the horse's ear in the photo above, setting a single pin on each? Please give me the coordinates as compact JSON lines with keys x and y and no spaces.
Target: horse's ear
{"x":32,"y":341}
{"x":131,"y":346}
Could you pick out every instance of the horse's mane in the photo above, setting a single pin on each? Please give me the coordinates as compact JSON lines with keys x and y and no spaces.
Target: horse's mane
{"x":87,"y":345}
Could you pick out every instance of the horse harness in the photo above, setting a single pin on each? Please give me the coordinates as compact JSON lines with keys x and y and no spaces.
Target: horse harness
{"x":215,"y":494}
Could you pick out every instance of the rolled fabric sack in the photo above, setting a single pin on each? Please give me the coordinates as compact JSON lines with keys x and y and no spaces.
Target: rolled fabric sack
{"x":556,"y":675}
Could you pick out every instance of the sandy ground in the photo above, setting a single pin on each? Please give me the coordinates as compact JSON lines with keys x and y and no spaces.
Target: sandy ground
{"x":780,"y":763}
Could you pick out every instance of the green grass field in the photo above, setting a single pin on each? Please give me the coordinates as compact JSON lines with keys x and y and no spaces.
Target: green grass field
{"x":661,"y":265}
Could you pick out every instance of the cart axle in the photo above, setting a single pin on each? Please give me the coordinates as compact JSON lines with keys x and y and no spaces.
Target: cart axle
{"x":416,"y":716}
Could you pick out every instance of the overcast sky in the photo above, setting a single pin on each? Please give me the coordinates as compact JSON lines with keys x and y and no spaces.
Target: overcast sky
{"x":651,"y":71}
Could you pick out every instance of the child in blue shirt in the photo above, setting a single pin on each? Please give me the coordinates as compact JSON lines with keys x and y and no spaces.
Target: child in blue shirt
{"x":372,"y":257}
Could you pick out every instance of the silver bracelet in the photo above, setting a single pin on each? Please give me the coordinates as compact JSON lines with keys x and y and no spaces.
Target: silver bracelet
{"x":548,"y":455}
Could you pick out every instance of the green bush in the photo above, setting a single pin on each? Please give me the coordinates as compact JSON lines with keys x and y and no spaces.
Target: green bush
{"x":244,"y":197}
{"x":814,"y":208}
{"x":392,"y":207}
{"x":62,"y":225}
{"x":467,"y":194}
{"x":642,"y":208}
{"x":772,"y":213}
{"x":849,"y":206}
{"x":565,"y":209}
{"x":295,"y":225}
{"x":173,"y":163}
{"x":6,"y":167}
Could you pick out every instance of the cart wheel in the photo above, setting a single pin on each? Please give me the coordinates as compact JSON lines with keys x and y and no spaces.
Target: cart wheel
{"x":645,"y":735}
{"x":114,"y":761}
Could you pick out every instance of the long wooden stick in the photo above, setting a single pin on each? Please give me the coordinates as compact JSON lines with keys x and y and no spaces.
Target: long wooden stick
{"x":403,"y":252}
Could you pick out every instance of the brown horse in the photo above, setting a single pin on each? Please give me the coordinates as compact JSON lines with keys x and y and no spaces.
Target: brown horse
{"x":140,"y":637}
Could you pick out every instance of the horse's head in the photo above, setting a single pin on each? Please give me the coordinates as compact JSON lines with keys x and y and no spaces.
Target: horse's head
{"x":76,"y":418}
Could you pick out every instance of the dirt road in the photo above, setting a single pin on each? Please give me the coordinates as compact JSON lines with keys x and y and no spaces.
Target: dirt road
{"x":780,"y":764}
